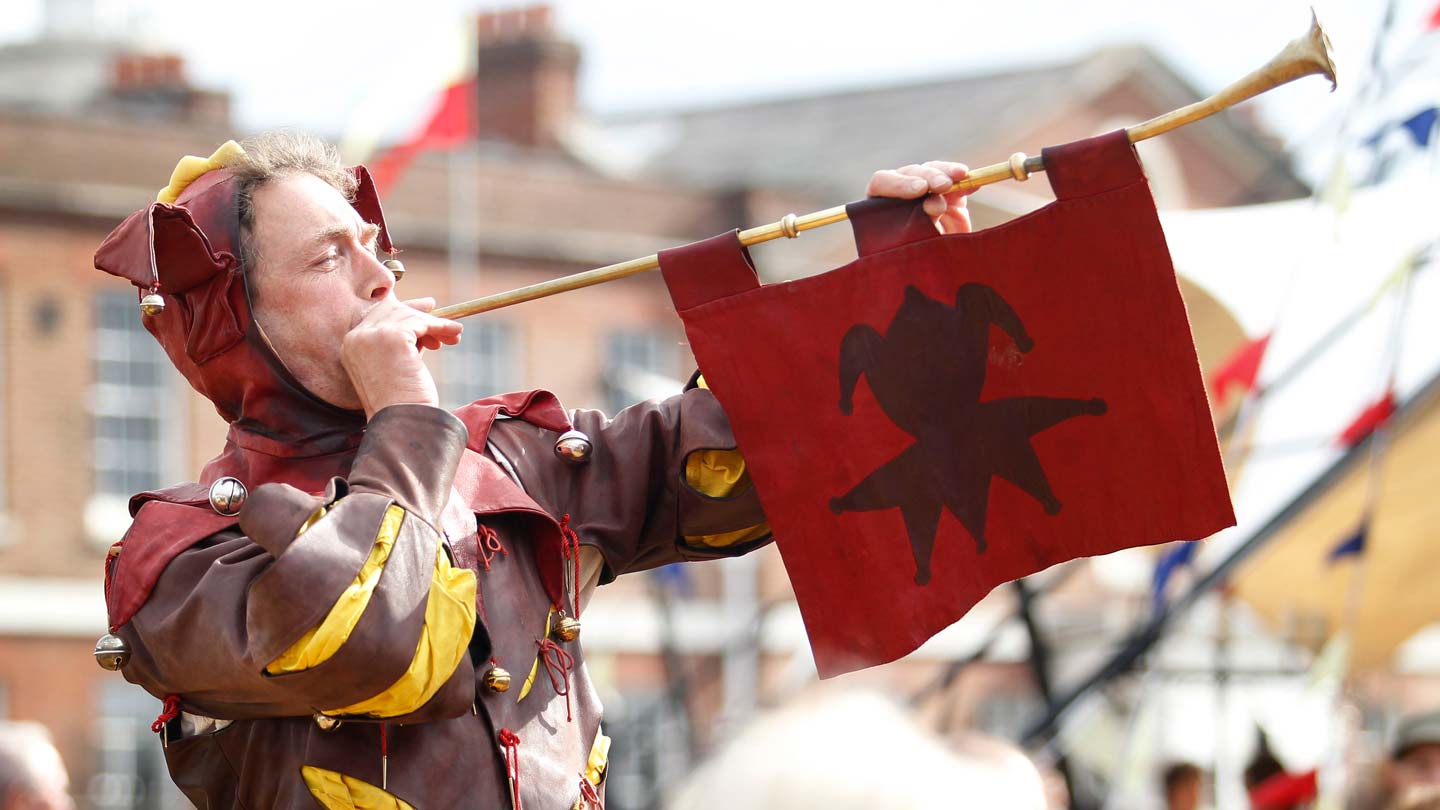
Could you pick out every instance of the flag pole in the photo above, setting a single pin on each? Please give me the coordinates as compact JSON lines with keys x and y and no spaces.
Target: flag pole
{"x":1304,"y":56}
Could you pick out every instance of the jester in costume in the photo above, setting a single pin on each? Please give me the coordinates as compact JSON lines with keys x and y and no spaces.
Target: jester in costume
{"x":367,"y":601}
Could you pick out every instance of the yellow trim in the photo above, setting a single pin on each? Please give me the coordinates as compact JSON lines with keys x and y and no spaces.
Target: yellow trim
{"x":191,"y":168}
{"x":599,"y":759}
{"x":322,"y":641}
{"x":449,"y":623}
{"x":720,"y":474}
{"x":336,"y":791}
{"x":535,"y":667}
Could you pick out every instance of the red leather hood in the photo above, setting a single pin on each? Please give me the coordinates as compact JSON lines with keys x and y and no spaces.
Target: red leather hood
{"x":189,"y":252}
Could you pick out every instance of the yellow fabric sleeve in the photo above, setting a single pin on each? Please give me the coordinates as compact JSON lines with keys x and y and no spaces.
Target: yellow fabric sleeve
{"x":336,"y":791}
{"x":720,"y":474}
{"x":191,"y":168}
{"x":449,"y":615}
{"x":322,"y":641}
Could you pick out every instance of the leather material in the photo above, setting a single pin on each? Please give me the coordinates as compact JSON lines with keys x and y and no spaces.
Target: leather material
{"x":249,"y":596}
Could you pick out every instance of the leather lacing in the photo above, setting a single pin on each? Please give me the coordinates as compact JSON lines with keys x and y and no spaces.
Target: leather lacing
{"x":487,"y":545}
{"x":510,"y":742}
{"x":558,"y":664}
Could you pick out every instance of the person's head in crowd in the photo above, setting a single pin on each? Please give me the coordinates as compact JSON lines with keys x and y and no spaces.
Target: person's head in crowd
{"x":32,"y":776}
{"x":857,"y":751}
{"x":1415,"y":755}
{"x":1182,"y":783}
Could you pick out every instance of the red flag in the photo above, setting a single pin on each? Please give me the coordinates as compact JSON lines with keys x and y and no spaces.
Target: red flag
{"x":451,"y":122}
{"x":1284,"y":790}
{"x":1434,"y":21}
{"x":1368,"y":420}
{"x":1240,"y":368}
{"x":947,"y":413}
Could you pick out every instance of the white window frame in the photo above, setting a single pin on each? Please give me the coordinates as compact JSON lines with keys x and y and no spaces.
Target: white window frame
{"x":125,"y":346}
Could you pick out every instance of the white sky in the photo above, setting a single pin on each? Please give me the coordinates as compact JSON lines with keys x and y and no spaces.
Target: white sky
{"x":319,"y":66}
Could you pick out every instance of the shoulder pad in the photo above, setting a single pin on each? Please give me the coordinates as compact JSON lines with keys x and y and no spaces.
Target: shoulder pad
{"x":166,"y":523}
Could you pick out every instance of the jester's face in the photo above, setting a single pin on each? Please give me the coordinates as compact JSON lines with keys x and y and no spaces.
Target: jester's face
{"x":314,"y":276}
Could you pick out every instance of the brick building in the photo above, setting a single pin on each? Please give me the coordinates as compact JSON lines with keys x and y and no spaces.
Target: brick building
{"x":90,"y":411}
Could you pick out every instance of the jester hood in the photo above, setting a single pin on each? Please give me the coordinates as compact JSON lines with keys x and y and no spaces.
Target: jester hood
{"x":185,"y":247}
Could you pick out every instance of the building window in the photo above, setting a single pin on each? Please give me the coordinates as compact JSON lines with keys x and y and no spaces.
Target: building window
{"x":639,"y":365}
{"x":136,"y":414}
{"x":481,"y":365}
{"x":130,"y":771}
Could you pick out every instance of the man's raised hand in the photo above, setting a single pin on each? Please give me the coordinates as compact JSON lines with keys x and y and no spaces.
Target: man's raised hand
{"x":382,"y":353}
{"x":929,"y":180}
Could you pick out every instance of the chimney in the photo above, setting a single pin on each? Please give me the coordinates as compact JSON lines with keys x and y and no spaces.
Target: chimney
{"x":525,"y":77}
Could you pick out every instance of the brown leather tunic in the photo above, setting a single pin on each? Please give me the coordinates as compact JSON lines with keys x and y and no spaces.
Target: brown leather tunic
{"x":226,"y":606}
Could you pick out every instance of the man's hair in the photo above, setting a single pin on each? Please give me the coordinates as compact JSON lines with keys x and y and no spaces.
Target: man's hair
{"x":1178,"y":773}
{"x":273,"y":155}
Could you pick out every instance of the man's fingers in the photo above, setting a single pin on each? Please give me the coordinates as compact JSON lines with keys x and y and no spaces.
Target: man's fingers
{"x":934,"y":206}
{"x":423,"y":304}
{"x":894,"y":184}
{"x":951,"y":169}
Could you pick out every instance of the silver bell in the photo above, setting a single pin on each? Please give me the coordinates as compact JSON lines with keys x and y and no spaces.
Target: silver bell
{"x":326,"y":722}
{"x":573,"y":447}
{"x":395,"y":266}
{"x":152,"y":304}
{"x":227,"y":495}
{"x":111,"y":652}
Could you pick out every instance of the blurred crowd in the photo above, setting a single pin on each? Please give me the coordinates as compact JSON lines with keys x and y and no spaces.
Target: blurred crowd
{"x":839,"y":750}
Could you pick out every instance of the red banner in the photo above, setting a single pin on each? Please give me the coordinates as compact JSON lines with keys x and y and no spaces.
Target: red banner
{"x":947,"y":413}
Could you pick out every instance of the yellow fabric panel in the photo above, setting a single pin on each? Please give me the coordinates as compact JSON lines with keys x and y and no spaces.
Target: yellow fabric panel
{"x":535,"y":666}
{"x":599,"y":759}
{"x":720,"y":474}
{"x":190,"y":168}
{"x":449,"y":622}
{"x":336,"y":791}
{"x":322,"y":641}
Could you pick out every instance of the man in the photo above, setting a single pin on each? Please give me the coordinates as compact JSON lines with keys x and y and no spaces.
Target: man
{"x":1182,"y":784}
{"x":343,"y":609}
{"x":1414,"y":766}
{"x":32,"y":776}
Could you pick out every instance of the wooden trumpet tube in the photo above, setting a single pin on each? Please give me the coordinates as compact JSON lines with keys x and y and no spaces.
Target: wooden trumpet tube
{"x":1304,"y":56}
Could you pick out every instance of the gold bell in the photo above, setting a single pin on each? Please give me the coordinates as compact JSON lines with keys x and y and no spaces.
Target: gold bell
{"x":152,"y":304}
{"x":497,"y":679}
{"x":573,"y":447}
{"x":325,"y":722}
{"x":111,"y":652}
{"x":567,"y":629}
{"x":395,"y":266}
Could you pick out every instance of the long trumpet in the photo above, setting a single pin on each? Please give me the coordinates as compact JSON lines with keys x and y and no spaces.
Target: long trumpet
{"x":1304,"y":56}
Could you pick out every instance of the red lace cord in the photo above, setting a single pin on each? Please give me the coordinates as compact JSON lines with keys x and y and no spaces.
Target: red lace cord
{"x":570,"y":547}
{"x":558,"y":664}
{"x":384,"y":759}
{"x":487,"y":545}
{"x":589,"y":795}
{"x":510,"y":741}
{"x":169,"y":711}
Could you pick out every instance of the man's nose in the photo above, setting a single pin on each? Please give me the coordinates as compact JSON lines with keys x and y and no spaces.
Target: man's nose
{"x":378,"y":280}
